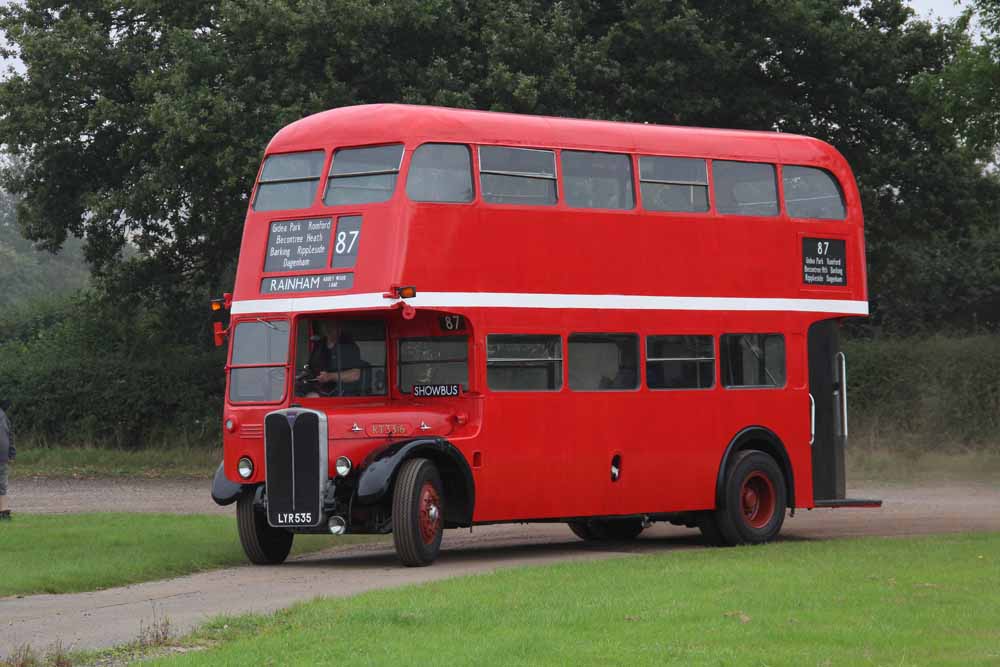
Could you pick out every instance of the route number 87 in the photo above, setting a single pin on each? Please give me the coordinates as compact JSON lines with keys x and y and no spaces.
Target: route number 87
{"x":343,"y":246}
{"x":822,"y":247}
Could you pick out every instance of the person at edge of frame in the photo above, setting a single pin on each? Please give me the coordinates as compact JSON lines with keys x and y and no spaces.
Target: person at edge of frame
{"x":7,"y":454}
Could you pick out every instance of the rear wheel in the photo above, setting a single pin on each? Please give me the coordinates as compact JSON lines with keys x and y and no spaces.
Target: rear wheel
{"x":417,"y":513}
{"x":607,"y":529}
{"x":755,"y":500}
{"x":263,"y":544}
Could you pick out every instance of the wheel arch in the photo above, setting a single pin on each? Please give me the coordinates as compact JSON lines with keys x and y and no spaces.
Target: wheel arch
{"x":377,"y":476}
{"x":759,"y":438}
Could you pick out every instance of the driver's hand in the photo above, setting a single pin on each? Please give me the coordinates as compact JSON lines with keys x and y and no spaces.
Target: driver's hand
{"x":326,"y":376}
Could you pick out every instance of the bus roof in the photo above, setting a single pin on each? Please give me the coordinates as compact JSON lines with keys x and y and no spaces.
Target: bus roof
{"x":381,"y":123}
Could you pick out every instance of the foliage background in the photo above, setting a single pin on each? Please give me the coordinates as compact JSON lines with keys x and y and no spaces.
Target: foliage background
{"x":137,"y":127}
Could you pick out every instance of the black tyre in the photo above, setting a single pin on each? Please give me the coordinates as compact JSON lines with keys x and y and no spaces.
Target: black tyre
{"x":262,"y":544}
{"x":710,"y":529}
{"x":582,"y":530}
{"x":417,"y":513}
{"x":755,"y":500}
{"x":607,"y":529}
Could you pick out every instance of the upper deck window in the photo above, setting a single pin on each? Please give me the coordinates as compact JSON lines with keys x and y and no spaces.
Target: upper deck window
{"x":597,"y":180}
{"x":289,"y":181}
{"x":260,"y":352}
{"x":517,"y":175}
{"x":812,"y":193}
{"x":440,"y":172}
{"x":363,"y":175}
{"x":745,"y":188}
{"x":673,"y":184}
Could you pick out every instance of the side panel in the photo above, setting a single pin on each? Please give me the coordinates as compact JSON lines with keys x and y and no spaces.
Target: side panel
{"x":829,"y":440}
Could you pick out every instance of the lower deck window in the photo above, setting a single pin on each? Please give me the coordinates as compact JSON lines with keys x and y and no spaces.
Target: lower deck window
{"x":603,"y":362}
{"x":523,"y":362}
{"x":680,"y":362}
{"x":433,"y":361}
{"x":753,"y":360}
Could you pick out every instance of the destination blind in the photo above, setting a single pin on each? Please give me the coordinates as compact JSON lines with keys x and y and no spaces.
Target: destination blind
{"x":298,"y":245}
{"x":311,"y":283}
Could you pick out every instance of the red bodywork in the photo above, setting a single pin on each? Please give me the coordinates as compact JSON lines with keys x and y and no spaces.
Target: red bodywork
{"x":539,"y":455}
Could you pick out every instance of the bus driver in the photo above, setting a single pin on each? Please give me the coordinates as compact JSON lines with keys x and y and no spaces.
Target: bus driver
{"x":335,"y":362}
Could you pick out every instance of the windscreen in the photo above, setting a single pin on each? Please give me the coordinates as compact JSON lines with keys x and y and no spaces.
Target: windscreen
{"x":337,"y":357}
{"x":257,"y":370}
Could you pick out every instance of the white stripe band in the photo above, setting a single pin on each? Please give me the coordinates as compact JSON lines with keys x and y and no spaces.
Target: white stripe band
{"x":527,"y":300}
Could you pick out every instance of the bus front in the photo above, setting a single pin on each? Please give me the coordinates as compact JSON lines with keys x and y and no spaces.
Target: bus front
{"x":342,"y":400}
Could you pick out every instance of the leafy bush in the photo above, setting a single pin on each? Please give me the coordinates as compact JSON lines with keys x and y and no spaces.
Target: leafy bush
{"x":945,"y":391}
{"x":91,"y":371}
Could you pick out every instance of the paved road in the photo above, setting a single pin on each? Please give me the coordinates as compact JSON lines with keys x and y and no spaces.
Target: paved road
{"x":106,"y":618}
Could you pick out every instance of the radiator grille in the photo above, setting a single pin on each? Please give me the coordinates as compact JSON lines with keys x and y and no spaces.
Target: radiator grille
{"x":295,"y":452}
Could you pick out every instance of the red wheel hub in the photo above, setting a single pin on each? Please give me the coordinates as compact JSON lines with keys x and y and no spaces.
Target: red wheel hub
{"x":757,"y":499}
{"x":430,"y":513}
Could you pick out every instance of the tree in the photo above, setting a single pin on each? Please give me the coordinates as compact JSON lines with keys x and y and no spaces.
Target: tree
{"x":26,"y":273}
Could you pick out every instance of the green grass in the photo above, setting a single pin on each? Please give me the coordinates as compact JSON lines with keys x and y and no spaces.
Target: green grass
{"x":68,"y":553}
{"x":151,"y":463}
{"x":926,"y":601}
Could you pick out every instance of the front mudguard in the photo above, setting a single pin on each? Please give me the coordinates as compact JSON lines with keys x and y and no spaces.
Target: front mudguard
{"x":378,"y":472}
{"x":224,"y":491}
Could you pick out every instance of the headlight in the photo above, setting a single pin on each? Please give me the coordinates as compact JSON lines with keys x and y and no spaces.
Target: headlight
{"x":343,"y":466}
{"x":245,"y":468}
{"x":230,"y":424}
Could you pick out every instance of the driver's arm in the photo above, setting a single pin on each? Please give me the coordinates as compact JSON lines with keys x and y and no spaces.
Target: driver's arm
{"x":346,"y":375}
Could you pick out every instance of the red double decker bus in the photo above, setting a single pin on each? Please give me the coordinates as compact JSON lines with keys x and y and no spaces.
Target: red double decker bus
{"x":445,"y":318}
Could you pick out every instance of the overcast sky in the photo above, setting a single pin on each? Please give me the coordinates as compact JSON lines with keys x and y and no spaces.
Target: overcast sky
{"x":943,"y":9}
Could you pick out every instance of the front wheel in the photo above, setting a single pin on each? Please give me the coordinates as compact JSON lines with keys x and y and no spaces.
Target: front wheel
{"x":263,"y":544}
{"x":755,"y":500}
{"x":417,"y":513}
